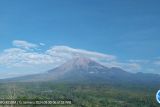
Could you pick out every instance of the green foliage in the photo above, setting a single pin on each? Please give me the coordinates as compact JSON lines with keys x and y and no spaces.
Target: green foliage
{"x":88,"y":95}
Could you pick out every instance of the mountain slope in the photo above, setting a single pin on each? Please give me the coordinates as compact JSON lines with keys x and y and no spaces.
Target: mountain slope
{"x":84,"y":70}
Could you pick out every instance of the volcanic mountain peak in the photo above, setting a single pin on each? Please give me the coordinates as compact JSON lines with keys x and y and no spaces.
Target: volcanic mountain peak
{"x":82,"y":61}
{"x":79,"y":63}
{"x":85,"y":70}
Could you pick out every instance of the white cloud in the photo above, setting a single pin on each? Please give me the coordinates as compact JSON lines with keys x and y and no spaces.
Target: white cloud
{"x":19,"y":57}
{"x":138,"y":61}
{"x":69,"y":52}
{"x":22,"y":57}
{"x":157,"y":63}
{"x":55,"y":56}
{"x":132,"y":67}
{"x":24,"y":44}
{"x":128,"y":66}
{"x":66,"y":53}
{"x":42,"y":44}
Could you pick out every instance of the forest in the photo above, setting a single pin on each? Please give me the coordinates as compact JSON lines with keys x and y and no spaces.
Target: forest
{"x":81,"y":95}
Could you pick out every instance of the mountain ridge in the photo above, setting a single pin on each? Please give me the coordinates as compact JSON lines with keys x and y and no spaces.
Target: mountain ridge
{"x":85,"y":70}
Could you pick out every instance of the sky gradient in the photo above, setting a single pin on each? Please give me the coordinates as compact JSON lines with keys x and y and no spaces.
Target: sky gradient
{"x":125,"y":29}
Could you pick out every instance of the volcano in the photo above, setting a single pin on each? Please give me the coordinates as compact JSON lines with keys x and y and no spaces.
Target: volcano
{"x":85,"y":70}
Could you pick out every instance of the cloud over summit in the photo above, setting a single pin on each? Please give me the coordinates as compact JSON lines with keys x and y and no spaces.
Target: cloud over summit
{"x":25,"y":54}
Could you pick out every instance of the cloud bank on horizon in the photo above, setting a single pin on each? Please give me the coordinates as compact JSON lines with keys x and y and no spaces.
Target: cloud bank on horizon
{"x":25,"y":58}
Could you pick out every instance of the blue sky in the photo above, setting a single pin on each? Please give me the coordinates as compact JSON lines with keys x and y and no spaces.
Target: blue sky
{"x":127,"y":29}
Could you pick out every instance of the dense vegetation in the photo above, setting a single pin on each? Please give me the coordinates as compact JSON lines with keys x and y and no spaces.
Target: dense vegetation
{"x":82,"y":95}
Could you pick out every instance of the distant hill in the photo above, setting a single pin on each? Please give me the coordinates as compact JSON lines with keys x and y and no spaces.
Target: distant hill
{"x":84,"y":70}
